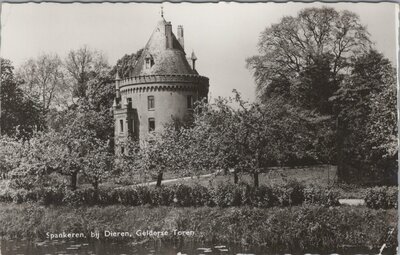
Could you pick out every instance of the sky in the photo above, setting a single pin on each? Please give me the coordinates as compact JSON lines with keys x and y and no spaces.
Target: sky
{"x":222,"y":35}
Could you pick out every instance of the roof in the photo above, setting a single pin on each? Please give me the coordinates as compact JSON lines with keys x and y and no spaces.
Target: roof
{"x":164,"y":61}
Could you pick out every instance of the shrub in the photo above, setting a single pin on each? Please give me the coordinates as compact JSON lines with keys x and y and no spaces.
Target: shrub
{"x":143,"y":194}
{"x":73,"y":197}
{"x":226,"y":195}
{"x":81,"y":197}
{"x":161,"y":195}
{"x":201,"y":196}
{"x":381,"y":197}
{"x":259,"y":197}
{"x":108,"y":196}
{"x":50,"y":196}
{"x":128,"y":196}
{"x":182,"y":195}
{"x":20,"y":196}
{"x":321,"y":196}
{"x":289,"y":194}
{"x":6,"y":194}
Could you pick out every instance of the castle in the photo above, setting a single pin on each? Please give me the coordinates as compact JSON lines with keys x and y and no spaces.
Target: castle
{"x":161,"y":86}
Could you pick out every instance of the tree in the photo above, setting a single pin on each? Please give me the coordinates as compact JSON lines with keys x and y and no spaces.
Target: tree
{"x":10,"y":155}
{"x":367,"y":122}
{"x":84,"y":65}
{"x":36,"y":160}
{"x":85,"y":136}
{"x":19,"y":114}
{"x":253,"y":136}
{"x":97,"y":165}
{"x":303,"y":60}
{"x":316,"y":46}
{"x":47,"y":154}
{"x":212,"y":136}
{"x":43,"y":80}
{"x":126,"y":64}
{"x":161,"y":151}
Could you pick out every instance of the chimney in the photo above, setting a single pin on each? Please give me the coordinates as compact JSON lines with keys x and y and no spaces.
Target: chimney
{"x":180,"y":36}
{"x":168,"y":35}
{"x":193,"y":58}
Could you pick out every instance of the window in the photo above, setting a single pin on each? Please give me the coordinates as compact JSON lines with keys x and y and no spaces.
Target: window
{"x":122,"y":150}
{"x":149,"y":62}
{"x":189,"y":101}
{"x":133,"y":126}
{"x":152,"y":124}
{"x":129,"y":101}
{"x":150,"y":102}
{"x":121,"y":126}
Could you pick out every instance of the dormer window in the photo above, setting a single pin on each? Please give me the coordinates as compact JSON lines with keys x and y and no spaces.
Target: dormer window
{"x":149,"y":61}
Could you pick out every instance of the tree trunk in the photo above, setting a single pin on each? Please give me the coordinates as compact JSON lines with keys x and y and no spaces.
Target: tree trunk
{"x":96,"y":184}
{"x":255,"y":178}
{"x":235,"y":177}
{"x":74,"y":177}
{"x":159,"y":179}
{"x":341,"y":169}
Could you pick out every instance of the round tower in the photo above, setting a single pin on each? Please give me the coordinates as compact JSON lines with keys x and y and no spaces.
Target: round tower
{"x":162,"y":86}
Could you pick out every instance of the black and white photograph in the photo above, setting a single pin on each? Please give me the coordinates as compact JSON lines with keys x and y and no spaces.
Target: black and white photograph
{"x":199,"y":128}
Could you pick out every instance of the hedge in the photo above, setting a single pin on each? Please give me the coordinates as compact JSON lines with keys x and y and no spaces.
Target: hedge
{"x":381,"y":197}
{"x":222,"y":195}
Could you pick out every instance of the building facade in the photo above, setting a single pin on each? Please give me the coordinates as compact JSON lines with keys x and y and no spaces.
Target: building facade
{"x":162,"y":86}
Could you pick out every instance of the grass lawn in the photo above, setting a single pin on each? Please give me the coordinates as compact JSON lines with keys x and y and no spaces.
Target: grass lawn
{"x":322,"y":175}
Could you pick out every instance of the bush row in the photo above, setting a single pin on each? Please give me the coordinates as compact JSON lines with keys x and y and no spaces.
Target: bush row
{"x":381,"y":197}
{"x":223,"y":195}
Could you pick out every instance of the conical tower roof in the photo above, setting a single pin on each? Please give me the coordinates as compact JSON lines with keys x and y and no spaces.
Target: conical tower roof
{"x":164,"y":60}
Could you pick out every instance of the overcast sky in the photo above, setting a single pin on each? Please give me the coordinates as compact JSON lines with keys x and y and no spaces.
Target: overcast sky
{"x":222,"y":35}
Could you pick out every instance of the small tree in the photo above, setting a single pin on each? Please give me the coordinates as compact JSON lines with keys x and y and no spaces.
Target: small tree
{"x":97,"y":165}
{"x":160,"y":152}
{"x":252,"y":136}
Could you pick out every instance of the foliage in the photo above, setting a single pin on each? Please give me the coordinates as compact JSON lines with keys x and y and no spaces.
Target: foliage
{"x":223,"y":195}
{"x":382,"y":197}
{"x":74,"y":149}
{"x":289,"y":194}
{"x":322,"y":61}
{"x":316,"y":46}
{"x":84,"y":66}
{"x":43,"y":81}
{"x":230,"y":195}
{"x":320,"y":196}
{"x":366,"y":106}
{"x":306,"y":228}
{"x":11,"y":151}
{"x":126,"y":64}
{"x":250,"y":136}
{"x":158,"y":153}
{"x":20,"y":115}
